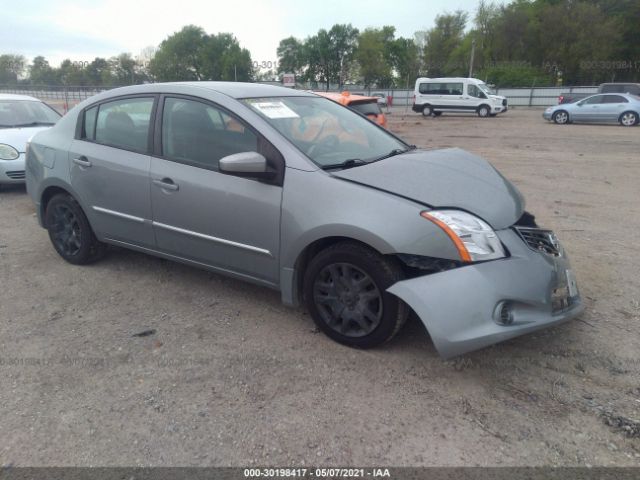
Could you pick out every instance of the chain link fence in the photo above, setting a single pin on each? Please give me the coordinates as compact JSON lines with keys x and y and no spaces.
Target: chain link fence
{"x":65,"y":97}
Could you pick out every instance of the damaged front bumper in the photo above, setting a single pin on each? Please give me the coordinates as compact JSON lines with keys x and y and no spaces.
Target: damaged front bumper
{"x":477,"y":305}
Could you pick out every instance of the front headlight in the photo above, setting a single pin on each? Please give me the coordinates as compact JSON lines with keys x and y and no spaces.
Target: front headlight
{"x":7,"y":152}
{"x":474,"y":239}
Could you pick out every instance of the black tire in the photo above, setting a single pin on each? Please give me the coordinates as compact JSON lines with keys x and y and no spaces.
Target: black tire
{"x":427,"y":111}
{"x":70,"y":232}
{"x":352,"y":279}
{"x":561,"y":117}
{"x":484,"y":111}
{"x":437,"y":114}
{"x":493,"y":115}
{"x":628,"y":119}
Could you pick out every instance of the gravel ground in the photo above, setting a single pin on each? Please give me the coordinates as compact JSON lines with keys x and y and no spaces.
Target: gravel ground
{"x":229,"y":376}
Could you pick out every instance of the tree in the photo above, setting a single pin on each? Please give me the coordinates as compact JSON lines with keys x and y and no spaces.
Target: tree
{"x":343,"y":40}
{"x":404,"y":55}
{"x":40,"y":72}
{"x":11,"y":68}
{"x":191,"y":54}
{"x":442,"y":40}
{"x":223,"y":59}
{"x":179,"y":56}
{"x":291,"y":56}
{"x":374,"y":56}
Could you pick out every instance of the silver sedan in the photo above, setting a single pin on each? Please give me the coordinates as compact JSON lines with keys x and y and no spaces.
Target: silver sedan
{"x":21,"y":117}
{"x":294,"y":192}
{"x":603,"y":108}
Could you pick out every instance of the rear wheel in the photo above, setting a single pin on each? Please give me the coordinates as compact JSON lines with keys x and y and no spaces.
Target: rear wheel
{"x":437,"y":114}
{"x":427,"y":111}
{"x":70,"y":232}
{"x":628,"y":119}
{"x":560,"y":117}
{"x":345,"y":292}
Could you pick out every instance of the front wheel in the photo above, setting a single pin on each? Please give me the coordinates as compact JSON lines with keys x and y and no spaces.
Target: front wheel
{"x":560,"y":117}
{"x":345,"y":292}
{"x":484,"y":111}
{"x":628,"y":119}
{"x":70,"y":232}
{"x":427,"y":111}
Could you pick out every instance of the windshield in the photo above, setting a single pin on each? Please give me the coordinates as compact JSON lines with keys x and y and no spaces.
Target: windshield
{"x":18,"y":113}
{"x":485,"y":88}
{"x":328,"y":133}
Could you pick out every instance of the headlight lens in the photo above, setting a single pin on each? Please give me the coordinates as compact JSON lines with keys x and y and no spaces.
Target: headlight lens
{"x":7,"y":152}
{"x":474,"y":239}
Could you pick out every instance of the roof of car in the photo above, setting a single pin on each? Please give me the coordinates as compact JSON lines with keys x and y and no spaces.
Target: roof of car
{"x":232,"y":89}
{"x":12,"y":96}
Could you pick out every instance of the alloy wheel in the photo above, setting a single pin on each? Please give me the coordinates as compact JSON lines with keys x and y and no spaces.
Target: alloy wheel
{"x":66,"y":231}
{"x":348,"y":299}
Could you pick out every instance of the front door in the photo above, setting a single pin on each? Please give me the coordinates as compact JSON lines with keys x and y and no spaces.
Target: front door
{"x":199,"y":214}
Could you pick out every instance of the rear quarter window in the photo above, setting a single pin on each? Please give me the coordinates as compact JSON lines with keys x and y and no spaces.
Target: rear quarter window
{"x":371,"y":108}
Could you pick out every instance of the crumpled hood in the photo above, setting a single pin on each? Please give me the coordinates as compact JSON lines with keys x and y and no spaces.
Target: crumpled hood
{"x":18,"y":137}
{"x":449,"y":178}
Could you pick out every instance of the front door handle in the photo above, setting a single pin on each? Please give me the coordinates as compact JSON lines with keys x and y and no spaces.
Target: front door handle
{"x":166,"y":184}
{"x":82,"y":161}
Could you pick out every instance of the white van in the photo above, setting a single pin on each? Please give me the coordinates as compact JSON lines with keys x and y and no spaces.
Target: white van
{"x":432,"y":96}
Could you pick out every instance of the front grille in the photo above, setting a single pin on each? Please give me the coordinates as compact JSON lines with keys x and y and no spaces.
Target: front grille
{"x":16,"y":174}
{"x":544,"y":241}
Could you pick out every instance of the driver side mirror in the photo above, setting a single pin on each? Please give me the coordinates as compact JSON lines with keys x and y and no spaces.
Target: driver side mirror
{"x":246,"y":164}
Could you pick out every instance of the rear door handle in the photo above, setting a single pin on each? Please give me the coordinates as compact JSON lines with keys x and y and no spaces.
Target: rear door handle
{"x":166,"y":184}
{"x":82,"y":161}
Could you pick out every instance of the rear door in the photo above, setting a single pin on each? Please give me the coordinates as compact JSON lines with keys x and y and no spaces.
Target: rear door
{"x":612,"y":107}
{"x":452,"y":97}
{"x":200,"y":214}
{"x":110,"y":161}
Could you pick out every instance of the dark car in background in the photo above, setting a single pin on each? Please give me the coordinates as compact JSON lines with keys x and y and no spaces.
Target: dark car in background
{"x":630,"y":88}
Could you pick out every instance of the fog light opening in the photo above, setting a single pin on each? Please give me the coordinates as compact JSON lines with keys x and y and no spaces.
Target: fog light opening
{"x":504,"y":313}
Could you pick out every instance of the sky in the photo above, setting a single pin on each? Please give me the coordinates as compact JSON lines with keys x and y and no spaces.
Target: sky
{"x":83,"y":30}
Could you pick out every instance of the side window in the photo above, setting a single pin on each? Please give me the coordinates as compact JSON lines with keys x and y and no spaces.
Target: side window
{"x":594,"y":100}
{"x":89,"y":127}
{"x":453,"y":89}
{"x":200,"y":134}
{"x":615,"y":99}
{"x":124,"y":123}
{"x":474,"y":91}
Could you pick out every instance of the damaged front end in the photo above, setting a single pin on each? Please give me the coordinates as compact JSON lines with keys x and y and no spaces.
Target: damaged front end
{"x":470,"y":305}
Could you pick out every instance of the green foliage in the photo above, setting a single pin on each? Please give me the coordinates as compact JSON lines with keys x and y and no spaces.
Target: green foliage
{"x":515,"y":76}
{"x":11,"y":68}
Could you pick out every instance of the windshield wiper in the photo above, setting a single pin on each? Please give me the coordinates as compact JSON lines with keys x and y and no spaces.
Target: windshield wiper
{"x":394,"y":152}
{"x":30,"y":124}
{"x":350,"y":163}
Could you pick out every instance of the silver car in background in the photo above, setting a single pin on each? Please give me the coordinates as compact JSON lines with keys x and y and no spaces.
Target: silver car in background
{"x":292,"y":191}
{"x":619,"y":108}
{"x":21,"y":117}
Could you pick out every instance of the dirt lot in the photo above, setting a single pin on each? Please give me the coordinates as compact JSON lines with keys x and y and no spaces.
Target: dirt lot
{"x":232,"y":377}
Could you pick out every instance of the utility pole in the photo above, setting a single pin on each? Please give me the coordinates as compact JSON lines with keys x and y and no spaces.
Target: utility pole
{"x":473,"y":51}
{"x":235,"y":73}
